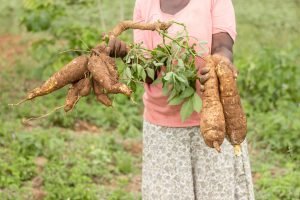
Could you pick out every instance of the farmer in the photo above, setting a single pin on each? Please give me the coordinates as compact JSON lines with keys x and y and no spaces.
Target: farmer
{"x":177,"y":164}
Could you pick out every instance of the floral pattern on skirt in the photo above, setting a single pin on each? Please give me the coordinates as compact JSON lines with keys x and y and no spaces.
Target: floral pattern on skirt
{"x":178,"y":165}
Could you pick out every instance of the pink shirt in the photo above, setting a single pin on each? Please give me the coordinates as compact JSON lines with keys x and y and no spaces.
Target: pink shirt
{"x":203,"y":18}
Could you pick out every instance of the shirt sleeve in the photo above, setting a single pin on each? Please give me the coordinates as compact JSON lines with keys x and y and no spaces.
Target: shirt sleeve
{"x":138,"y":35}
{"x":223,"y":17}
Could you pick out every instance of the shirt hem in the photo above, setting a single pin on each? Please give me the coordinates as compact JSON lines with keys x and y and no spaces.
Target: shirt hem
{"x":173,"y":125}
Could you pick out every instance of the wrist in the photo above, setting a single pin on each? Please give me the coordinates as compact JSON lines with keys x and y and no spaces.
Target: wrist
{"x":224,"y":53}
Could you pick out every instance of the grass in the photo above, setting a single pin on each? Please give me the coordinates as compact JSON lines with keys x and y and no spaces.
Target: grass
{"x":95,"y":153}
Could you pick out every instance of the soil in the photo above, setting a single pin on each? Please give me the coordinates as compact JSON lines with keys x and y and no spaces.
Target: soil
{"x":135,"y":147}
{"x":11,"y":48}
{"x":81,"y":126}
{"x":37,"y":182}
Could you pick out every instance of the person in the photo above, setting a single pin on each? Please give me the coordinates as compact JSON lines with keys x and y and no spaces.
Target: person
{"x":177,"y":164}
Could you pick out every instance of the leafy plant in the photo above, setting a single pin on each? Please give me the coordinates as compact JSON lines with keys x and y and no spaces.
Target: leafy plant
{"x":174,"y":61}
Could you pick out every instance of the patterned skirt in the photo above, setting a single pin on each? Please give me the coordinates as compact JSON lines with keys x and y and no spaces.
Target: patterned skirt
{"x":177,"y":165}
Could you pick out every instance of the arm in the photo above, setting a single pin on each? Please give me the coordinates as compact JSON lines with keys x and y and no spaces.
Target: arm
{"x":222,"y":44}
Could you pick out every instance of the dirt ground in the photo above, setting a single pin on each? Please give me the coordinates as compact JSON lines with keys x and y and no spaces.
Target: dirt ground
{"x":11,"y":48}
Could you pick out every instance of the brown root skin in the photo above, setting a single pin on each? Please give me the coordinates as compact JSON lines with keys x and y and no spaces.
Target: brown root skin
{"x":104,"y":71}
{"x":212,"y":123}
{"x":72,"y":98}
{"x":100,"y":95}
{"x":72,"y":72}
{"x":76,"y":91}
{"x":125,"y":25}
{"x":235,"y":118}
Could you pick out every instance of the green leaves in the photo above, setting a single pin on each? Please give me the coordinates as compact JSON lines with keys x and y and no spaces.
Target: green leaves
{"x":176,"y":62}
{"x":150,"y":73}
{"x":128,"y":73}
{"x":180,"y":63}
{"x":197,"y":102}
{"x":139,"y":69}
{"x":186,"y":109}
{"x":179,"y":98}
{"x":193,"y":103}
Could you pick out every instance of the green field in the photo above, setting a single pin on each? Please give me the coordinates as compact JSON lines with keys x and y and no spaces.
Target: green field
{"x":95,"y":152}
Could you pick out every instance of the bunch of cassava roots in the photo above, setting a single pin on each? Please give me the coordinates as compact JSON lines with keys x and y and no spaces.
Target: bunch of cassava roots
{"x":222,"y":115}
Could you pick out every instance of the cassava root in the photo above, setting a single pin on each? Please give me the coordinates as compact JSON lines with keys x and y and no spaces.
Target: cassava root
{"x":97,"y":71}
{"x":235,"y":118}
{"x":212,"y":121}
{"x":222,"y":114}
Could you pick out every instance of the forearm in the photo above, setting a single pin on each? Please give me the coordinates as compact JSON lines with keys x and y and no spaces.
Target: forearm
{"x":222,"y":44}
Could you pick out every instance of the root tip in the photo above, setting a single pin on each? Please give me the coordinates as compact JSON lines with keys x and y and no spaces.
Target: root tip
{"x":217,"y":146}
{"x":237,"y":150}
{"x":19,"y":103}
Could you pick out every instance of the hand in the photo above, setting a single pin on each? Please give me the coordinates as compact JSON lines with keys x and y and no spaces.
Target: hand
{"x":204,"y":76}
{"x":204,"y":72}
{"x":116,"y":47}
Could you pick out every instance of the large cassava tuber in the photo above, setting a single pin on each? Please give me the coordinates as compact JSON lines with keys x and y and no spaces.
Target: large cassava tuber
{"x":222,"y":114}
{"x":212,"y":123}
{"x":235,"y":118}
{"x":70,"y":73}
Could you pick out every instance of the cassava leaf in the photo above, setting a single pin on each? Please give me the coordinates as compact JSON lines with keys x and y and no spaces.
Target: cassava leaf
{"x":132,"y":86}
{"x":150,"y":72}
{"x":197,"y":102}
{"x":165,"y":89}
{"x":143,"y":75}
{"x":140,"y":70}
{"x":172,"y":95}
{"x":187,"y":92}
{"x":156,"y":64}
{"x":168,"y":76}
{"x":180,"y":63}
{"x":181,"y":79}
{"x":128,"y":73}
{"x":186,"y":109}
{"x":175,"y":101}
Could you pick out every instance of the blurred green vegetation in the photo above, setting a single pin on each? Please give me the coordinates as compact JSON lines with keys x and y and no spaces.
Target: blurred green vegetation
{"x":87,"y":151}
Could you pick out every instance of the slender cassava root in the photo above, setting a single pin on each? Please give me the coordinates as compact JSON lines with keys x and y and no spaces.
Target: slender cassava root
{"x":104,"y":71}
{"x":125,"y":25}
{"x":100,"y":94}
{"x":70,"y":73}
{"x":79,"y":89}
{"x":97,"y":71}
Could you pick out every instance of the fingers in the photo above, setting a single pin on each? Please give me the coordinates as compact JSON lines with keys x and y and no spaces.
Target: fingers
{"x":202,"y":88}
{"x":123,"y":50}
{"x":204,"y":78}
{"x":111,"y":46}
{"x":204,"y":70}
{"x":116,"y":48}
